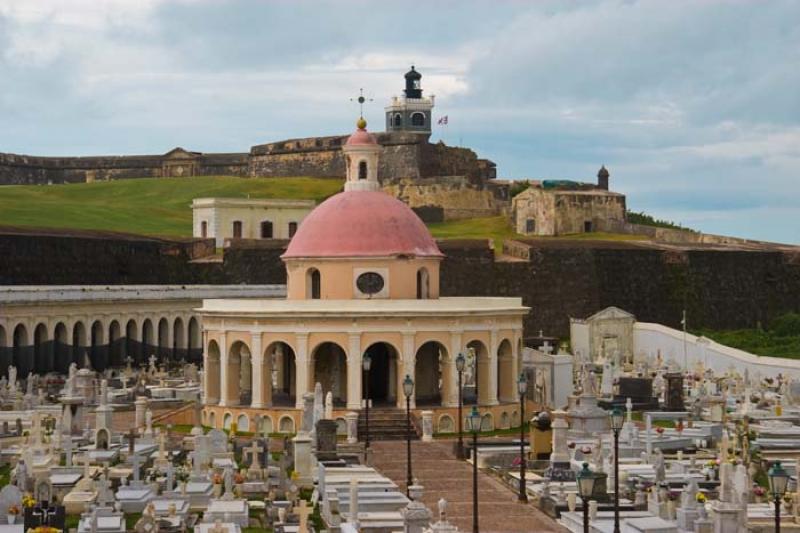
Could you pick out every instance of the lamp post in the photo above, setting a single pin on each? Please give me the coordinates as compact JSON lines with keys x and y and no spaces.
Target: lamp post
{"x":474,"y":426}
{"x":460,"y":363}
{"x":408,"y":390}
{"x":617,"y":419}
{"x":366,"y":364}
{"x":522,"y":388}
{"x":778,"y":480}
{"x":586,"y":481}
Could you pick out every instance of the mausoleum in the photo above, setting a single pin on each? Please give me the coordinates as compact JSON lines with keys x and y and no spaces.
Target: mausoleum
{"x":362,"y":278}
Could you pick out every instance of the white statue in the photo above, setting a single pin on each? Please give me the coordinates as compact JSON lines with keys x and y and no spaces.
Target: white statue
{"x":469,"y":368}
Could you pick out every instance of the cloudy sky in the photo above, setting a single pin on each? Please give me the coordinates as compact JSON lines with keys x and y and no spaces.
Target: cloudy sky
{"x":694,"y":106}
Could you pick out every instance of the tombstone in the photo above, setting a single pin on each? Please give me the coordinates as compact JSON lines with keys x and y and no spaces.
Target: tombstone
{"x":307,"y":423}
{"x":329,"y":406}
{"x":101,"y":440}
{"x":326,"y":440}
{"x":218,"y":441}
{"x":10,"y":495}
{"x":43,"y":490}
{"x":673,"y":400}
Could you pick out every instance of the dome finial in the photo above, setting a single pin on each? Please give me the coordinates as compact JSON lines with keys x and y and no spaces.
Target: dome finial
{"x":361,"y":123}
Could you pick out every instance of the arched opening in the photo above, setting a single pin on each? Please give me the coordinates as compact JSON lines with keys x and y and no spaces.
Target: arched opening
{"x":398,"y":120}
{"x":266,"y":229}
{"x":204,"y":229}
{"x":212,"y":370}
{"x":292,"y":229}
{"x":227,"y":418}
{"x":21,"y":350}
{"x":133,"y":351}
{"x":194,"y":340}
{"x":212,"y":419}
{"x":313,"y":284}
{"x":362,"y":170}
{"x":428,"y":374}
{"x":418,"y":119}
{"x":79,"y":356}
{"x":329,"y":362}
{"x":280,"y":359}
{"x":178,"y":340}
{"x":163,"y":339}
{"x":42,"y":350}
{"x":240,"y":375}
{"x":148,"y":340}
{"x":115,"y":344}
{"x":476,"y":373}
{"x":237,"y":229}
{"x":382,"y":376}
{"x":423,"y":284}
{"x":97,"y":353}
{"x":61,"y":348}
{"x":505,"y":372}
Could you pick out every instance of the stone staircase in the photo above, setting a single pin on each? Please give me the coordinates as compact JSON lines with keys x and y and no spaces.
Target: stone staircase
{"x":386,"y":423}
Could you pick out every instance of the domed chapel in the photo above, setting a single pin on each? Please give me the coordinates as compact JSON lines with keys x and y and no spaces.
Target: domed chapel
{"x":362,"y":279}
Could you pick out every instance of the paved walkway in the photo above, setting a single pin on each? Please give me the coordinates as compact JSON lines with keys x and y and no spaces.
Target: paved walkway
{"x":443,"y":476}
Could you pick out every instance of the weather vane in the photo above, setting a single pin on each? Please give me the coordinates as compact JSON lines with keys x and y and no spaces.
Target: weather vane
{"x":361,"y":100}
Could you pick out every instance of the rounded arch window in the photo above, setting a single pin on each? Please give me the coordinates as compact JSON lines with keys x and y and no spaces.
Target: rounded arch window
{"x":362,"y":170}
{"x":313,"y":284}
{"x":418,"y":119}
{"x":398,"y":120}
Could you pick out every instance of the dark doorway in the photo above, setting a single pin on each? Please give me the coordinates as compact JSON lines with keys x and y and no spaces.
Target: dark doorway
{"x":587,"y":226}
{"x":383,"y":358}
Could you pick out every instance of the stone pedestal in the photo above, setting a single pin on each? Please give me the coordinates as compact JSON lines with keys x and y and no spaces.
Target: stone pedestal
{"x":141,"y":407}
{"x":427,"y":426}
{"x":302,"y":460}
{"x":588,"y":418}
{"x":686,"y":518}
{"x":103,"y":416}
{"x":351,"y":420}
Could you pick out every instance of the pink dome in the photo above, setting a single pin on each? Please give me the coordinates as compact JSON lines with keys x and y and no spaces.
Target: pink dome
{"x":359,"y":224}
{"x":360,"y":136}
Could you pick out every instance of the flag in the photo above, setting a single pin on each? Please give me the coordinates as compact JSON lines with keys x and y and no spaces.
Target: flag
{"x":443,"y":120}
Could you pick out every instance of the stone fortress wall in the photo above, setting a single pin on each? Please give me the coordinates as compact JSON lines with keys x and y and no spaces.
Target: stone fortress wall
{"x":720,"y":287}
{"x":442,"y":181}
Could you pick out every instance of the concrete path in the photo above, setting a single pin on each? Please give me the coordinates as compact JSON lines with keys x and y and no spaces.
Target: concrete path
{"x":435,"y":467}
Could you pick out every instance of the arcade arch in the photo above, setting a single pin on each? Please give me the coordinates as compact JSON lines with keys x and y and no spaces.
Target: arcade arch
{"x":428,"y":370}
{"x":329,"y":364}
{"x":382,"y":376}
{"x":505,"y":372}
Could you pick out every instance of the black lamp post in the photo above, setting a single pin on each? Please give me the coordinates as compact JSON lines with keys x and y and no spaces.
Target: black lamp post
{"x":522,"y":388}
{"x":585,"y":480}
{"x":778,"y":480}
{"x":616,"y":425}
{"x":460,"y":362}
{"x":366,"y":364}
{"x":474,"y":425}
{"x":408,"y":390}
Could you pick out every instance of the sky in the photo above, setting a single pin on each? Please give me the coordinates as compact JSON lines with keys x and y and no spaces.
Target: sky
{"x":693,"y":105}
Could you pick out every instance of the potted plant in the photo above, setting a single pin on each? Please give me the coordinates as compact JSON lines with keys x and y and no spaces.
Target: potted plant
{"x":13,"y":511}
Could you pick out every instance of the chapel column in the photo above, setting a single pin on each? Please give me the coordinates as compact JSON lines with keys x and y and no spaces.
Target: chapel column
{"x":301,"y":379}
{"x":516,"y":364}
{"x":409,"y":361}
{"x":223,"y":369}
{"x":354,"y":372}
{"x":257,"y":370}
{"x":450,"y":374}
{"x":493,"y":344}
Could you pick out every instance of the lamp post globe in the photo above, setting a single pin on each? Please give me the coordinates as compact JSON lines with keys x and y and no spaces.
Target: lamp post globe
{"x":585,"y":479}
{"x":408,"y":390}
{"x":474,"y":426}
{"x":778,"y":482}
{"x":522,"y":389}
{"x":461,"y":362}
{"x":617,"y":420}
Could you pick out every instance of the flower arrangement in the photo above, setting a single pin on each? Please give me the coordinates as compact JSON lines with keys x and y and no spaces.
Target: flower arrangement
{"x":586,"y":450}
{"x":759,"y":491}
{"x":679,"y":427}
{"x":182,"y":475}
{"x":44,"y":529}
{"x":216,"y":479}
{"x":14,"y":510}
{"x":660,"y":431}
{"x":28,"y":500}
{"x":701,"y":498}
{"x":238,"y":478}
{"x":673,"y":495}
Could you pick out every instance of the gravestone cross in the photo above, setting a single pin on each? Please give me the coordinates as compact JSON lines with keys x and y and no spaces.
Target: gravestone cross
{"x":546,"y":348}
{"x":303,"y":511}
{"x":254,"y":452}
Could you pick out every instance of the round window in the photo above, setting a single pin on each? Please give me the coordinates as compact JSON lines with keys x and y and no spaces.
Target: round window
{"x":370,"y":283}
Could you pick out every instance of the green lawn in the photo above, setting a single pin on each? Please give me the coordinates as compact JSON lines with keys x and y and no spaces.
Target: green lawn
{"x":495,"y":228}
{"x":157,"y":206}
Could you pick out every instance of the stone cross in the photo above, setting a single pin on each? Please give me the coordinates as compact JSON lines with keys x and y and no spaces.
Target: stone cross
{"x":302,"y":511}
{"x":253,"y":451}
{"x":546,"y":348}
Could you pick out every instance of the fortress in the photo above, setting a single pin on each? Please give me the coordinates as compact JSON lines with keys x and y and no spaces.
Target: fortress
{"x":439,"y":181}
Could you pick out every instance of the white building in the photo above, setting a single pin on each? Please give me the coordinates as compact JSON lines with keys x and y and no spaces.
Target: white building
{"x":239,"y":218}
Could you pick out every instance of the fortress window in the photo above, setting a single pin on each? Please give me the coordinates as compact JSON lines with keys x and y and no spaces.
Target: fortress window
{"x":530,"y":225}
{"x":204,"y":229}
{"x":587,"y":226}
{"x":266,"y":229}
{"x":313,"y":284}
{"x":423,"y":284}
{"x":237,"y":229}
{"x":418,"y":119}
{"x":292,"y":229}
{"x":398,"y":120}
{"x":362,"y":170}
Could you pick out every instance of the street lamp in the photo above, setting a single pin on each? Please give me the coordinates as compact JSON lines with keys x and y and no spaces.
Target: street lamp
{"x":408,"y":390}
{"x":778,"y":480}
{"x":585,"y":480}
{"x":474,"y":426}
{"x":522,"y":388}
{"x":366,"y":363}
{"x":616,"y":425}
{"x":461,"y":361}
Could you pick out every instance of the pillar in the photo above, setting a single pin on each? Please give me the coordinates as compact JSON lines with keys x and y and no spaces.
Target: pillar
{"x":516,"y":365}
{"x":409,"y":360}
{"x":491,"y":398}
{"x":451,"y":373}
{"x":301,"y":365}
{"x":354,"y":371}
{"x":257,"y":370}
{"x":223,"y":369}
